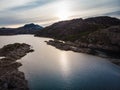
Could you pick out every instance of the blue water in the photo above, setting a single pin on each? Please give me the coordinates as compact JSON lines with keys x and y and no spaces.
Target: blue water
{"x":51,"y":69}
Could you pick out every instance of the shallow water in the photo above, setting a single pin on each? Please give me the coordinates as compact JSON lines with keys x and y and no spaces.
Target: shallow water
{"x":51,"y":69}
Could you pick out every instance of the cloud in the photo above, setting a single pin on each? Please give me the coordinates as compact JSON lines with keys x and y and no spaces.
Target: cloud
{"x":25,"y":12}
{"x":6,"y":4}
{"x":114,"y":13}
{"x":32,"y":4}
{"x":10,"y":21}
{"x":45,"y":11}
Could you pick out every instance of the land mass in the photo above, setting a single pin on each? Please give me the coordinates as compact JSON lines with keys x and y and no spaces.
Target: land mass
{"x":96,"y":35}
{"x":10,"y":77}
{"x":26,"y":29}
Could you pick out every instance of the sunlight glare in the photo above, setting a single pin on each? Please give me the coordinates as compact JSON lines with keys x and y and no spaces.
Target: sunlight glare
{"x":63,"y":11}
{"x":64,"y":63}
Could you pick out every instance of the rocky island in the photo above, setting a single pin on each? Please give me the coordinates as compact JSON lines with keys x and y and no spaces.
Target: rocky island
{"x":10,"y":77}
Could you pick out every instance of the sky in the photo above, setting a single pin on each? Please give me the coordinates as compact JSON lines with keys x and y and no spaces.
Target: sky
{"x":15,"y":13}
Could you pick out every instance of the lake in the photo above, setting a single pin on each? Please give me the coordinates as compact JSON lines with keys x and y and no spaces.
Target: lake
{"x":48,"y":68}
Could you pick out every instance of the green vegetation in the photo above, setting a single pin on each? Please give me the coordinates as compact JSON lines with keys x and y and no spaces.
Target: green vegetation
{"x":77,"y":36}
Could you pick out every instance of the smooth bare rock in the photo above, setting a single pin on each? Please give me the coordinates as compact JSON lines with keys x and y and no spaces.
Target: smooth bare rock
{"x":10,"y":77}
{"x":15,"y":51}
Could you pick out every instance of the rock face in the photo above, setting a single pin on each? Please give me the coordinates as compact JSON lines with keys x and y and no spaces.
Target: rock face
{"x":69,"y":46}
{"x":15,"y":51}
{"x":26,"y":29}
{"x":10,"y":77}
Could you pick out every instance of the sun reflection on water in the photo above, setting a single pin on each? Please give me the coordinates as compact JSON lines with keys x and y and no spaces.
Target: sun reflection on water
{"x":64,"y":64}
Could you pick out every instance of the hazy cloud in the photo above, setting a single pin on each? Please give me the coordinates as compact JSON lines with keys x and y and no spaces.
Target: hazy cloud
{"x":45,"y":11}
{"x":32,"y":4}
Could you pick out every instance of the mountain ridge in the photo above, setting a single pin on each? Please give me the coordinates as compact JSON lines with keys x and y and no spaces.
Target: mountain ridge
{"x":64,"y":29}
{"x":26,"y":29}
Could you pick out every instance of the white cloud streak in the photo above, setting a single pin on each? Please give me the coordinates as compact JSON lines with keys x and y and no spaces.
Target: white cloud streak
{"x":6,"y":4}
{"x":46,"y":10}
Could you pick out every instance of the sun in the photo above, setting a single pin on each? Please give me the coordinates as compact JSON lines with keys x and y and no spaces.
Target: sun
{"x":63,"y":12}
{"x":63,"y":15}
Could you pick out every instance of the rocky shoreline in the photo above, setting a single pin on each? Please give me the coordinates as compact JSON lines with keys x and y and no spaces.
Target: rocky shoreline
{"x":10,"y":77}
{"x":89,"y":49}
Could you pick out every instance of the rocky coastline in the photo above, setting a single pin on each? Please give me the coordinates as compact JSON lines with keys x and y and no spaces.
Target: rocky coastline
{"x":10,"y":77}
{"x":108,"y":52}
{"x":95,"y":35}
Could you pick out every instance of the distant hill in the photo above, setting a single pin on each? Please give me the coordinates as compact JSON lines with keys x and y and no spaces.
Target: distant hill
{"x":72,"y":30}
{"x":32,"y":26}
{"x":26,"y":29}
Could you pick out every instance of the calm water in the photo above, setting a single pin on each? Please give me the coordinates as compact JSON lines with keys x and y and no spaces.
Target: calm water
{"x":51,"y":69}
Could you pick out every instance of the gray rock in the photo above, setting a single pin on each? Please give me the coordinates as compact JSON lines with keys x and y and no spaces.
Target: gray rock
{"x":10,"y":77}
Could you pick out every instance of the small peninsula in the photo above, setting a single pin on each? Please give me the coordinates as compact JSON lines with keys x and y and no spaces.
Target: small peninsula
{"x":10,"y":77}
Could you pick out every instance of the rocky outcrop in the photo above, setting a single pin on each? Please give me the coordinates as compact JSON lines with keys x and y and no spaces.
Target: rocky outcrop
{"x":110,"y":52}
{"x":15,"y":51}
{"x":10,"y":77}
{"x":103,"y":40}
{"x":69,"y":46}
